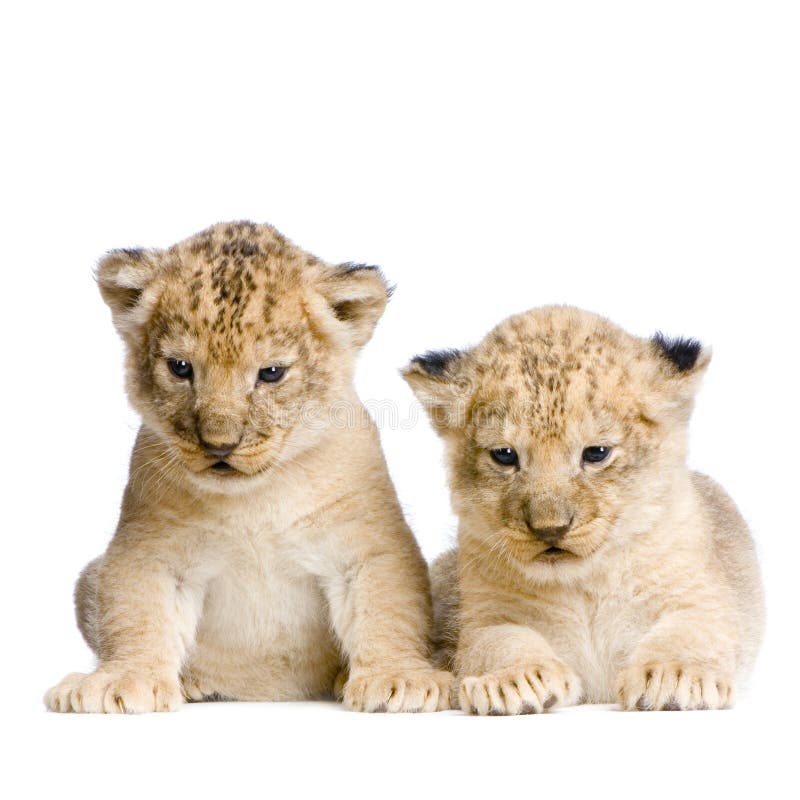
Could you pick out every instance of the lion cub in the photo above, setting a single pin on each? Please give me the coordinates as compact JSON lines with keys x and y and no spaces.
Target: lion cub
{"x":261,"y":548}
{"x":592,"y":565}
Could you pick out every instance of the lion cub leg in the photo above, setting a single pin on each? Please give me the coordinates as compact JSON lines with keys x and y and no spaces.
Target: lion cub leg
{"x":383,"y":619}
{"x":86,"y":612}
{"x":511,"y":669}
{"x":139,"y":621}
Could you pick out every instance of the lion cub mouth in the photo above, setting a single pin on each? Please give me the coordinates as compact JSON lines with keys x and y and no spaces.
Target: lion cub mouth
{"x":222,"y":467}
{"x":555,"y":554}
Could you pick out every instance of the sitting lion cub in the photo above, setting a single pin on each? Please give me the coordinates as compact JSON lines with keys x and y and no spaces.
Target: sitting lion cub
{"x":592,"y":563}
{"x":261,"y":548}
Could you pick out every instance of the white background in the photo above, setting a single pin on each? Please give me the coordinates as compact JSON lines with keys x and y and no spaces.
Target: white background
{"x":638,"y":159}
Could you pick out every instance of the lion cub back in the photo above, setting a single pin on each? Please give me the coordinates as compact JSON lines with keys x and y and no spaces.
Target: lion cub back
{"x":734,"y":547}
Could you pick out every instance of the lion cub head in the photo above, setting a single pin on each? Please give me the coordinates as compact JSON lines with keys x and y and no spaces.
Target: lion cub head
{"x":237,"y":343}
{"x":563,"y":434}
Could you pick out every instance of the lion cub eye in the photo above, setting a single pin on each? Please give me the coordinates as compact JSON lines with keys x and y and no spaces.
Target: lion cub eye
{"x":596,"y":455}
{"x":506,"y":456}
{"x":271,"y":374}
{"x":180,"y":369}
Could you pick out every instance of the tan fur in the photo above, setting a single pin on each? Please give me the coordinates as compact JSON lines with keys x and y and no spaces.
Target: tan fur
{"x":267,"y":581}
{"x":655,"y":598}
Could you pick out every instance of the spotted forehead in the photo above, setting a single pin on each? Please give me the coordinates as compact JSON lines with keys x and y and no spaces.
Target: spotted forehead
{"x":544,"y":373}
{"x":236,"y":284}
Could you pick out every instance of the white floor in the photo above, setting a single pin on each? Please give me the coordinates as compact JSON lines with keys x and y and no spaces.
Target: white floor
{"x":250,"y":749}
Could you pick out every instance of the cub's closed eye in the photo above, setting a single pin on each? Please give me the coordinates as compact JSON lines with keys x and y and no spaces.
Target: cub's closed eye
{"x":596,"y":454}
{"x":180,"y":369}
{"x":506,"y":456}
{"x":271,"y":374}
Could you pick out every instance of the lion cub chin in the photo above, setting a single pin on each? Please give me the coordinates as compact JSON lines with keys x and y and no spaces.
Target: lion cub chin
{"x":592,"y":564}
{"x":261,"y":551}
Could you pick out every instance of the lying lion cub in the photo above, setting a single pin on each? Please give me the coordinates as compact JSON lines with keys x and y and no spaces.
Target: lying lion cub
{"x":592,"y":563}
{"x":261,"y":548}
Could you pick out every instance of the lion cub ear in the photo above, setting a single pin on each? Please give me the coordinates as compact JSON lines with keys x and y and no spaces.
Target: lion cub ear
{"x":357,"y":295}
{"x":680,"y":366}
{"x":439,"y":380}
{"x":123,"y":276}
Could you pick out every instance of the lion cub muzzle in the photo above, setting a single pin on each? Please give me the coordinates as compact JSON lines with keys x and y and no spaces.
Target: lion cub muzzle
{"x":549,"y":519}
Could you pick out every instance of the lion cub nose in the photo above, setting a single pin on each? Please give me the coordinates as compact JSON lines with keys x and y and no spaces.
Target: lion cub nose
{"x":218,"y":450}
{"x":551,"y":535}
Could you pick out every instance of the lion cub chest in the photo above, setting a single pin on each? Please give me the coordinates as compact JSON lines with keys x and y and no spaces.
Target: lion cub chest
{"x":264,"y":611}
{"x":261,"y":593}
{"x":594,"y":633}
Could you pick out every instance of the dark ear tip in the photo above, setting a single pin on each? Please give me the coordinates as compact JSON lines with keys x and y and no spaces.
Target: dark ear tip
{"x":435,"y":362}
{"x":683,"y":353}
{"x":129,"y":254}
{"x":133,"y":253}
{"x":351,"y":267}
{"x":112,"y":260}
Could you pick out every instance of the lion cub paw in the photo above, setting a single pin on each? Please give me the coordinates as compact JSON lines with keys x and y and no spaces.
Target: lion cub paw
{"x":412,"y":690}
{"x":673,"y":687}
{"x":113,"y":693}
{"x":196,"y":689}
{"x":520,"y":690}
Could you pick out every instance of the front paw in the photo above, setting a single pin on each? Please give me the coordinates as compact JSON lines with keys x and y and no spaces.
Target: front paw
{"x":114,"y":692}
{"x":673,"y":687}
{"x":410,"y":690}
{"x":520,"y":690}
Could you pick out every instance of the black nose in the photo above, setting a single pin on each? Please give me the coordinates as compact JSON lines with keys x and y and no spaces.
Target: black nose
{"x":551,"y":535}
{"x":218,"y":450}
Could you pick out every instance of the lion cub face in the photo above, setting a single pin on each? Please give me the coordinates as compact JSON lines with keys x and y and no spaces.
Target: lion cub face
{"x":237,"y":344}
{"x":562,"y":431}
